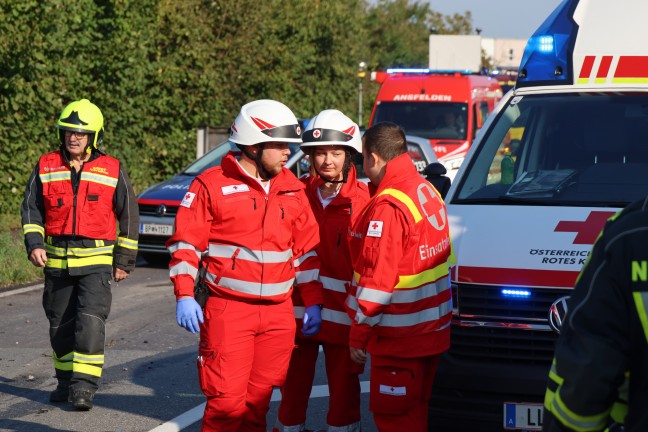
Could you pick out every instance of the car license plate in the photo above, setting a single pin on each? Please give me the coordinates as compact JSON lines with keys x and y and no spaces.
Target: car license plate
{"x":521,"y":416}
{"x":156,"y":229}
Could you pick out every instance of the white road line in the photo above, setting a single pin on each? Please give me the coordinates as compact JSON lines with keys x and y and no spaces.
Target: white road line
{"x":182,"y":421}
{"x":193,"y":415}
{"x":21,"y":290}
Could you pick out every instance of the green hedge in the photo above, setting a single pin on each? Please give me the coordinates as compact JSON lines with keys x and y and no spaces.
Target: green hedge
{"x":160,"y":68}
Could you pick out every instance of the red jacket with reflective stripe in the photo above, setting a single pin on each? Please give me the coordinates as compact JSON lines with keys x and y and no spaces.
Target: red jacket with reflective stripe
{"x":256,"y":245}
{"x":400,"y":249}
{"x":88,"y":212}
{"x":333,"y":251}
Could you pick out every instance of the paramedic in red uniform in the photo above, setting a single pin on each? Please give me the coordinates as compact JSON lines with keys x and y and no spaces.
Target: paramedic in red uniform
{"x":73,"y":200}
{"x":401,"y":251}
{"x":251,"y":222}
{"x":336,"y":196}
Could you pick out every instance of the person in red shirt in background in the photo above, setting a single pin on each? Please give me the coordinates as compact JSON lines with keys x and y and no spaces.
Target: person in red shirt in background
{"x":249,"y":222}
{"x":336,"y":196}
{"x":401,"y":300}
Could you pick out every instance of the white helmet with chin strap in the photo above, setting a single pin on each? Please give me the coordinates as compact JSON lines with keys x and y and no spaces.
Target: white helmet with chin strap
{"x":332,"y":127}
{"x":264,"y":121}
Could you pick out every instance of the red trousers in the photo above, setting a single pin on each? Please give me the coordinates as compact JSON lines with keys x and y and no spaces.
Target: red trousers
{"x":343,"y":381}
{"x":400,"y":390}
{"x":244,"y":351}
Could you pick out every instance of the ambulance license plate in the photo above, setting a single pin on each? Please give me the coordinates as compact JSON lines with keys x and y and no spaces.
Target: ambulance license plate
{"x":521,"y":416}
{"x":156,"y":229}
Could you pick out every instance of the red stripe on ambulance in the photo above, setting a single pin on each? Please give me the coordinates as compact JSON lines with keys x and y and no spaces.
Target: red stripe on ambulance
{"x":604,"y":67}
{"x":586,"y":70}
{"x":632,"y":67}
{"x":517,"y":277}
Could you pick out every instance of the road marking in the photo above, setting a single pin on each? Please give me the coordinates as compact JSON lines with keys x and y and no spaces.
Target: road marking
{"x":21,"y":290}
{"x":182,"y":421}
{"x":193,"y":415}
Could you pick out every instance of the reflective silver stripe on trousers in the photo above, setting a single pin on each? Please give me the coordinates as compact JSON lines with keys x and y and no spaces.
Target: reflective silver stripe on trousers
{"x":259,"y":256}
{"x":336,"y":285}
{"x":327,"y":315}
{"x":183,"y":268}
{"x":354,"y":427}
{"x":185,"y":246}
{"x":298,"y":261}
{"x":253,"y":288}
{"x":402,"y":296}
{"x":406,"y":320}
{"x":306,"y":276}
{"x":281,"y":428}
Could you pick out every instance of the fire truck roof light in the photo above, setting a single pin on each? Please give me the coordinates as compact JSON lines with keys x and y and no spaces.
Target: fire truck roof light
{"x":547,"y":56}
{"x":515,"y":293}
{"x":426,"y":71}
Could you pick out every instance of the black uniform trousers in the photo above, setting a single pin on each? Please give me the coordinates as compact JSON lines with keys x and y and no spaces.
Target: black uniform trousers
{"x":77,"y":308}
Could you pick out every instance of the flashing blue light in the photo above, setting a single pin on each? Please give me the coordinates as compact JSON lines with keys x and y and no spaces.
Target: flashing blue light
{"x":546,"y":44}
{"x":547,"y":56}
{"x":516,"y":293}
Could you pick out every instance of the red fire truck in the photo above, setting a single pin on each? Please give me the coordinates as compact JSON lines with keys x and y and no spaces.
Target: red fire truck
{"x":447,"y":108}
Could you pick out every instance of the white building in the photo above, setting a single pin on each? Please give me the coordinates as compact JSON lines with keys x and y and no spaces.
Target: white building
{"x":504,"y":53}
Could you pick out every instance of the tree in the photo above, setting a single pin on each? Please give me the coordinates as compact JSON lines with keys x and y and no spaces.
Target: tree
{"x":450,"y":24}
{"x":158,"y":69}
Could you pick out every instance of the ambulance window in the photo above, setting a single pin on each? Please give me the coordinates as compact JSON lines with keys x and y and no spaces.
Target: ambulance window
{"x":563,"y":149}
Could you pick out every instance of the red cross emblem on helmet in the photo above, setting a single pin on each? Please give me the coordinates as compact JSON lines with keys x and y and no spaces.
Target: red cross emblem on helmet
{"x":317,"y":133}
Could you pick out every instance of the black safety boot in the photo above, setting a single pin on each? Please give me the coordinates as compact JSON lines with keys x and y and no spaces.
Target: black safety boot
{"x":60,"y":394}
{"x":81,"y":399}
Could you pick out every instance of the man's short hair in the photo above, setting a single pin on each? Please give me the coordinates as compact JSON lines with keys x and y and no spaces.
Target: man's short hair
{"x":386,"y":139}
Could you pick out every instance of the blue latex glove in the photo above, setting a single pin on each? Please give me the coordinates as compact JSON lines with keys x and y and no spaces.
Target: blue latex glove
{"x":188,"y":313}
{"x":312,"y":321}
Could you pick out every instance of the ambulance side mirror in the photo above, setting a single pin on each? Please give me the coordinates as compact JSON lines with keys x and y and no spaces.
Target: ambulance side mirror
{"x":435,"y":174}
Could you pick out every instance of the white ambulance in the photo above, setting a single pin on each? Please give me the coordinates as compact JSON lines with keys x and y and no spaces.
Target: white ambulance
{"x":524,"y":212}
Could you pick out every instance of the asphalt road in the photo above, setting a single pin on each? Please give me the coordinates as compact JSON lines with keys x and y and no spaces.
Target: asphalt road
{"x":149,"y":381}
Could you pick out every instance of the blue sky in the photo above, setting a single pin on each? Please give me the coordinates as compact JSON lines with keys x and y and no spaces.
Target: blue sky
{"x":516,"y":19}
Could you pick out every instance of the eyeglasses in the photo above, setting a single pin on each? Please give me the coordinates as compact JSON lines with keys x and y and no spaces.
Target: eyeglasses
{"x":77,"y":135}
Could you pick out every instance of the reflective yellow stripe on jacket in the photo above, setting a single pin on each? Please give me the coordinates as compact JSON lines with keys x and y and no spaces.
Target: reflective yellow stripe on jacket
{"x":127,"y":243}
{"x":640,"y":299}
{"x":75,"y":257}
{"x":569,"y":418}
{"x":402,"y":197}
{"x":33,"y":228}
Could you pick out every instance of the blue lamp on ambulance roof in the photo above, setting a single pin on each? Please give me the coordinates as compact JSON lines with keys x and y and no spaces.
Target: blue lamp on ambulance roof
{"x":547,"y":57}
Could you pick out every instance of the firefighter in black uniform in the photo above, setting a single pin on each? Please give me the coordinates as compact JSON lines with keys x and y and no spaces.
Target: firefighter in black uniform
{"x":73,"y":200}
{"x":599,"y":377}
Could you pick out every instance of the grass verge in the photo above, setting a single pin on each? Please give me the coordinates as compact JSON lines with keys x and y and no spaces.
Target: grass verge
{"x":15,"y":268}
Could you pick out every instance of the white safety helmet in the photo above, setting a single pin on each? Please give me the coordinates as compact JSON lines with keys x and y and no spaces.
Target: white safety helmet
{"x":331,"y":127}
{"x":265,"y":120}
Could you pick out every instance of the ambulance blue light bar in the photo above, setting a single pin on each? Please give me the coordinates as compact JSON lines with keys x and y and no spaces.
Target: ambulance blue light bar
{"x":515,"y":293}
{"x":547,"y":58}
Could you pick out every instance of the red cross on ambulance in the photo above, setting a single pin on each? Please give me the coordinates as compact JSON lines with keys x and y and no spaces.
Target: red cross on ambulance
{"x":587,"y":231}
